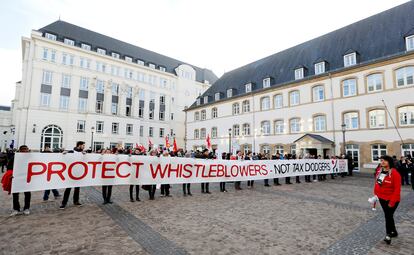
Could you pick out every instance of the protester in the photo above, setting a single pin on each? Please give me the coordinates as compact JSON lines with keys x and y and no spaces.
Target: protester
{"x":403,"y":168}
{"x":54,"y":191}
{"x":80,"y":146}
{"x":186,"y":186}
{"x":388,"y":189}
{"x":239,"y":156}
{"x":205,"y":187}
{"x":165,"y":188}
{"x":3,"y":160}
{"x":106,"y":189}
{"x":224,"y":156}
{"x":249,"y":157}
{"x":276,"y":180}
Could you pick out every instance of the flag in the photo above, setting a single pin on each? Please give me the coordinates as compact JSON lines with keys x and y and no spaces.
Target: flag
{"x":175,"y":148}
{"x":208,"y":142}
{"x":167,"y":143}
{"x":150,"y":144}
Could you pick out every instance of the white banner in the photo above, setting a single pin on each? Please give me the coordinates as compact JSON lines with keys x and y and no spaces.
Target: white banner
{"x":44,"y":171}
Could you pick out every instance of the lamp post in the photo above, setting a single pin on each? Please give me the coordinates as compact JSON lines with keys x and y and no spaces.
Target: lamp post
{"x":230,"y":140}
{"x":92,"y":147}
{"x":343,"y":126}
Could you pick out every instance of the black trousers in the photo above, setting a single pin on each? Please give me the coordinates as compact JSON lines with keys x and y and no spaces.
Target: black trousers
{"x":205,"y":187}
{"x":287,"y":180}
{"x":151,"y":192}
{"x":307,"y":178}
{"x":412,"y":178}
{"x":276,"y":181}
{"x":389,"y":216}
{"x":404,"y":178}
{"x":67,"y":194}
{"x":106,"y":193}
{"x":250,"y":183}
{"x":165,"y":189}
{"x":187,"y":188}
{"x":16,"y":204}
{"x":237,"y":185}
{"x":222,"y":186}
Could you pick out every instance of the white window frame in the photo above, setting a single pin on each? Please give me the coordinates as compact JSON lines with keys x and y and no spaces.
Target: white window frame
{"x":299,"y":73}
{"x":246,"y":129}
{"x":205,"y":101}
{"x":278,"y":101}
{"x":316,"y":92}
{"x":320,"y":67}
{"x":203,"y":114}
{"x":64,"y":102}
{"x":236,"y":130}
{"x":352,"y":87}
{"x":114,"y":108}
{"x":295,"y":125}
{"x":409,"y":147}
{"x":128,"y":59}
{"x":51,"y":36}
{"x":151,"y":131}
{"x":319,"y":123}
{"x":265,"y":103}
{"x":265,"y":127}
{"x":381,"y":151}
{"x":81,"y":126}
{"x":84,"y":83}
{"x":406,"y":115}
{"x":66,"y":80}
{"x":294,"y":100}
{"x":152,"y":66}
{"x":115,"y":128}
{"x":376,"y":118}
{"x":266,"y":83}
{"x":101,"y":51}
{"x":350,"y":59}
{"x":129,"y":129}
{"x":86,"y":46}
{"x":99,"y":127}
{"x":82,"y":104}
{"x":229,"y":93}
{"x":214,"y":112}
{"x":409,"y":43}
{"x":217,"y":96}
{"x":203,"y":133}
{"x":45,"y":54}
{"x":248,"y":87}
{"x":44,"y":99}
{"x":196,"y":134}
{"x":140,"y":62}
{"x":47,"y":77}
{"x":235,"y":108}
{"x":214,"y":132}
{"x":406,"y":77}
{"x":115,"y":55}
{"x":373,"y":80}
{"x":349,"y":120}
{"x":197,"y":116}
{"x":246,"y":106}
{"x":69,"y":41}
{"x":279,"y":126}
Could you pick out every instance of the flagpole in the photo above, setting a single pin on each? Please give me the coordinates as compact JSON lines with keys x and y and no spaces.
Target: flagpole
{"x":393,"y":122}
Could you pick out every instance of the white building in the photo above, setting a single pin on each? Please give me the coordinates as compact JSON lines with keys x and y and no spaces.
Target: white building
{"x":297,"y":100}
{"x":81,"y":85}
{"x":6,"y":128}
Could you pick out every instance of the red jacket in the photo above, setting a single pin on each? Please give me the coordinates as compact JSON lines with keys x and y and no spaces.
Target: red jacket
{"x":390,"y":189}
{"x":6,"y":181}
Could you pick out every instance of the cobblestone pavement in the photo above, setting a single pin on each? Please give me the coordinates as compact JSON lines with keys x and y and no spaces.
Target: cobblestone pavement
{"x":331,"y":217}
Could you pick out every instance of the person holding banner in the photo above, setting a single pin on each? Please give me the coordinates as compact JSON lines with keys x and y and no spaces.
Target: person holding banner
{"x":276,"y":180}
{"x":80,"y":146}
{"x":388,"y":189}
{"x":239,"y":156}
{"x":205,"y":187}
{"x":165,"y":188}
{"x":106,"y":189}
{"x":224,"y":156}
{"x":186,"y":186}
{"x":249,"y":157}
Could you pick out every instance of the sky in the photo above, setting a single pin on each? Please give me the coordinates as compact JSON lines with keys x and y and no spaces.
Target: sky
{"x":220,"y":35}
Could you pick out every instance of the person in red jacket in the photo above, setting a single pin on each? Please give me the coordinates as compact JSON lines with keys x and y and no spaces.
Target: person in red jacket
{"x":388,"y":190}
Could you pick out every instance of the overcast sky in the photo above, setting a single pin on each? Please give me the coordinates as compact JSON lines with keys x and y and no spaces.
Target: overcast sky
{"x":217,"y":34}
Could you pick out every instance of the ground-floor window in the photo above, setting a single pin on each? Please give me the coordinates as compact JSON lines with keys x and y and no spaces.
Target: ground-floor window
{"x":378,"y":150}
{"x":97,"y":146}
{"x":266,"y":149}
{"x":279,"y":149}
{"x":113,"y":145}
{"x":408,"y":149}
{"x":52,"y":136}
{"x":128,"y":145}
{"x":293,"y":149}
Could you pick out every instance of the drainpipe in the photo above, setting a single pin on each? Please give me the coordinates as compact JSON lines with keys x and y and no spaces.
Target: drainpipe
{"x":254,"y":125}
{"x":185,"y":128}
{"x":333,"y":112}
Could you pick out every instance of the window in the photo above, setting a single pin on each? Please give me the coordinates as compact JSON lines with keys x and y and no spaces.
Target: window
{"x":100,"y":67}
{"x":82,"y":104}
{"x":151,"y":114}
{"x":203,"y":133}
{"x":229,"y":93}
{"x":172,"y":116}
{"x":265,"y":103}
{"x":129,"y":129}
{"x":299,"y":73}
{"x":213,"y":132}
{"x":351,"y":120}
{"x":140,"y":62}
{"x":203,"y":115}
{"x":162,"y":69}
{"x":349,"y":87}
{"x":151,"y":66}
{"x":115,"y":128}
{"x":293,"y":149}
{"x":50,"y":36}
{"x":404,"y":76}
{"x":151,"y":132}
{"x":128,"y":110}
{"x":84,"y":82}
{"x":248,"y":87}
{"x":47,"y":77}
{"x":198,"y":101}
{"x":377,"y":151}
{"x":406,"y":115}
{"x":265,"y":127}
{"x":44,"y":99}
{"x":374,"y":82}
{"x":236,"y":108}
{"x":141,"y":111}
{"x":246,"y":106}
{"x":65,"y":81}
{"x":71,"y":60}
{"x":246,"y":129}
{"x":376,"y":119}
{"x":141,"y":131}
{"x":161,"y":115}
{"x":294,"y":97}
{"x":350,"y":59}
{"x":196,"y":134}
{"x":278,"y":101}
{"x":85,"y":63}
{"x":65,"y":59}
{"x":205,"y":99}
{"x":266,"y":149}
{"x":101,"y":51}
{"x":99,"y":127}
{"x":408,"y":149}
{"x":279,"y":149}
{"x":409,"y":42}
{"x":236,"y":130}
{"x":214,"y":113}
{"x":196,"y":116}
{"x":85,"y":46}
{"x":318,"y":93}
{"x":128,"y":59}
{"x":53,"y":56}
{"x":129,"y":92}
{"x":99,"y":106}
{"x":217,"y":96}
{"x":319,"y":123}
{"x":115,"y":89}
{"x":115,"y":55}
{"x":162,"y":132}
{"x":266,"y":83}
{"x":114,"y":108}
{"x":279,"y":127}
{"x":162,"y":99}
{"x":45,"y":53}
{"x":81,"y":126}
{"x":320,"y":67}
{"x":64,"y":102}
{"x":100,"y":86}
{"x":69,"y":42}
{"x":295,"y":126}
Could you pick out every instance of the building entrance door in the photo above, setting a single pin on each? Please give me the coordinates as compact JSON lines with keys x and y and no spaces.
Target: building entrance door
{"x":353,"y":151}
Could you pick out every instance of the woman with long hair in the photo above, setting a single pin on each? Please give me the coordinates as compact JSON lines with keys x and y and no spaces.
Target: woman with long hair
{"x":388,"y":190}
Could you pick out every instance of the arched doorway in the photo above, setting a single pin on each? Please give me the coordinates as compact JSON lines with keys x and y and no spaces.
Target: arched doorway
{"x":52,"y":136}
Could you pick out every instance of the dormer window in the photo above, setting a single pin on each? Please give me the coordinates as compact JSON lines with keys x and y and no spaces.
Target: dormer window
{"x":198,"y":101}
{"x":409,"y":42}
{"x":101,"y":51}
{"x":266,"y":82}
{"x":229,"y":93}
{"x":69,"y":42}
{"x":320,"y":67}
{"x":85,"y":46}
{"x":248,"y":87}
{"x":350,"y":59}
{"x":51,"y":36}
{"x":151,"y":66}
{"x":205,"y":99}
{"x":217,"y":96}
{"x":162,"y":68}
{"x":115,"y":55}
{"x":299,"y":73}
{"x":140,"y":62}
{"x":128,"y":59}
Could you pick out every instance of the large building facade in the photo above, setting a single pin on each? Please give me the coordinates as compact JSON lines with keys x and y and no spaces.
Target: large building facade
{"x":6,"y":128}
{"x":81,"y":85}
{"x":356,"y":82}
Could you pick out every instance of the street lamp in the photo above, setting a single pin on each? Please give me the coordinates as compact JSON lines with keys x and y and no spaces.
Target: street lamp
{"x":92,"y":129}
{"x":230,"y":141}
{"x":343,"y":126}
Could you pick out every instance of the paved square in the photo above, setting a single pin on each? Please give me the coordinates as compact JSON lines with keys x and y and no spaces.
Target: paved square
{"x":331,"y":217}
